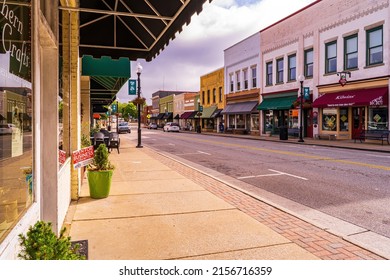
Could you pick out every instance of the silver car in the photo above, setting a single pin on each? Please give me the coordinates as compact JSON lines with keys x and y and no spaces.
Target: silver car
{"x":170,"y":126}
{"x":123,"y":127}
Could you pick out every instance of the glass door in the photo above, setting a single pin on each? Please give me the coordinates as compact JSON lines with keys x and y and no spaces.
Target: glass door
{"x":358,"y":115}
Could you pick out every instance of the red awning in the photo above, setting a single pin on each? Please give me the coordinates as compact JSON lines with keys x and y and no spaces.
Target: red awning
{"x":361,"y":97}
{"x":96,"y":116}
{"x":186,"y":115}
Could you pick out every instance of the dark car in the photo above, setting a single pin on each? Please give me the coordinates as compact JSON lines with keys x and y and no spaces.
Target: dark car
{"x":124,"y":127}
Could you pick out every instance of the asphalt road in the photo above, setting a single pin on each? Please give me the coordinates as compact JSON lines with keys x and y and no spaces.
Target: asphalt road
{"x":351,"y":185}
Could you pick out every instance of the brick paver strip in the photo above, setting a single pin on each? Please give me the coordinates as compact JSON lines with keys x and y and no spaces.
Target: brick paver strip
{"x":321,"y":243}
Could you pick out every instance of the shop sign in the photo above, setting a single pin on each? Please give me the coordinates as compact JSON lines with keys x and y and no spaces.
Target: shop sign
{"x":15,"y":21}
{"x":82,"y":157}
{"x":306,"y":93}
{"x":132,"y":87}
{"x":61,"y":157}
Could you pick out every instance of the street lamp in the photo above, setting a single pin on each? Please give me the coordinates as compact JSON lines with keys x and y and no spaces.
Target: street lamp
{"x":117,"y":114}
{"x":301,"y":78}
{"x":139,"y":70}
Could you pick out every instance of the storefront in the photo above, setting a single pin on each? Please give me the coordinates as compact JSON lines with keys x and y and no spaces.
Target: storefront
{"x":277,"y":111}
{"x":241,"y":117}
{"x":208,"y":123}
{"x":346,"y":113}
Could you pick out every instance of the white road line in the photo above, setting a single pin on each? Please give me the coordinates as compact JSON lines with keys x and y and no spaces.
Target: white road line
{"x":186,"y":154}
{"x":380,"y":156}
{"x":204,"y":153}
{"x":277,"y":173}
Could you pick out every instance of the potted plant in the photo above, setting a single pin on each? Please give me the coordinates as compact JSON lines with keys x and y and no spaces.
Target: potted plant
{"x":100,"y":173}
{"x":41,"y":243}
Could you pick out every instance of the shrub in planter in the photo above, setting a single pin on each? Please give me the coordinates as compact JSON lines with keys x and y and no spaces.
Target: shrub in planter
{"x":100,"y":173}
{"x":41,"y":243}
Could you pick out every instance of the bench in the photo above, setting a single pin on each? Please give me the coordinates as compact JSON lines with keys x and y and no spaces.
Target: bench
{"x":373,"y":135}
{"x":293,"y":132}
{"x":326,"y":136}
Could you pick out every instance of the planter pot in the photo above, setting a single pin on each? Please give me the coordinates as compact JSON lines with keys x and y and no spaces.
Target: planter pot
{"x":99,"y":183}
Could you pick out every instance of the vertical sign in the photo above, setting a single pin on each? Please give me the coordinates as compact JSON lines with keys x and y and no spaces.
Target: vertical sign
{"x":306,"y":93}
{"x":132,"y":87}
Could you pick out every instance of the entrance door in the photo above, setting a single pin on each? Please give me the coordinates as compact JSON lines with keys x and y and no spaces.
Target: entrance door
{"x":358,"y":115}
{"x":309,"y":123}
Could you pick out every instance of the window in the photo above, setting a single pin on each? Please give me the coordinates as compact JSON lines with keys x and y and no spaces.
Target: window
{"x":203,"y":97}
{"x":344,"y":124}
{"x":245,"y":71}
{"x":231,"y":83}
{"x":329,"y":119}
{"x":220,"y":94}
{"x":279,"y":70}
{"x":268,"y":78}
{"x":208,"y":96}
{"x":254,"y":74}
{"x":214,"y":95}
{"x":238,"y":81}
{"x":351,"y":52}
{"x":331,"y":57}
{"x":308,"y":63}
{"x":378,"y":118}
{"x":292,"y":67}
{"x":375,"y":46}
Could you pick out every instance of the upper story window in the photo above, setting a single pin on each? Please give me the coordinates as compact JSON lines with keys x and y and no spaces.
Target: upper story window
{"x":292,"y":67}
{"x":254,"y":74}
{"x":214,"y":95}
{"x":238,"y":81}
{"x":245,"y":72}
{"x":268,"y":78}
{"x":351,"y":52}
{"x":279,"y":70}
{"x":308,"y":63}
{"x":203,"y":97}
{"x":375,"y":46}
{"x":331,"y":57}
{"x":231,"y":83}
{"x":220,"y":94}
{"x":208,"y":96}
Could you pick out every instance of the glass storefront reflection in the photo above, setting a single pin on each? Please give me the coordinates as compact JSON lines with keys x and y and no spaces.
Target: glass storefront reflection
{"x":16,"y":112}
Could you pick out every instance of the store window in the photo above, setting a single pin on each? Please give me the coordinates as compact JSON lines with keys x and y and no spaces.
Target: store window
{"x":331,"y":57}
{"x":279,"y":70}
{"x":268,"y":120}
{"x":268,"y":78}
{"x":240,"y":121}
{"x":329,"y":119}
{"x":378,"y":118}
{"x":308,"y":63}
{"x":292,"y":67}
{"x":375,"y":46}
{"x":16,"y":114}
{"x":351,"y":52}
{"x":231,"y":121}
{"x":344,"y":119}
{"x":293,"y":118}
{"x":255,"y":122}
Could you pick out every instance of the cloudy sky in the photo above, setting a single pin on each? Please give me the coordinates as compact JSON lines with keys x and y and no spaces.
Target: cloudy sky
{"x":199,"y":48}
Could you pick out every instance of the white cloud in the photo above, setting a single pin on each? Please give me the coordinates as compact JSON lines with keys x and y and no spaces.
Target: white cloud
{"x":198,"y":50}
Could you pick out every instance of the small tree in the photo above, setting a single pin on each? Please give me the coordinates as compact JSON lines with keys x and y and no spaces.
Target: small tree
{"x":42,"y":244}
{"x":100,"y":160}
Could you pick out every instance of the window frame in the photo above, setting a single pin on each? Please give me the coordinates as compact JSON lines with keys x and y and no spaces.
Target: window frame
{"x":308,"y":64}
{"x":346,"y":53}
{"x":329,"y":59}
{"x":280,"y":70}
{"x":246,"y":82}
{"x":238,"y":81}
{"x":254,"y":76}
{"x":368,"y":48}
{"x":231,"y":76}
{"x":268,"y":74}
{"x":290,"y":78}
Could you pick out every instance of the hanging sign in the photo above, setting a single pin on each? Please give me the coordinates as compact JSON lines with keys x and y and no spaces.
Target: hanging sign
{"x":82,"y":157}
{"x":132,"y":87}
{"x":306,"y":93}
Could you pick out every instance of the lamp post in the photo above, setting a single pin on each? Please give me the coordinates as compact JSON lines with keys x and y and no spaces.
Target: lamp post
{"x":139,"y":70}
{"x":301,"y":78}
{"x":117,"y":114}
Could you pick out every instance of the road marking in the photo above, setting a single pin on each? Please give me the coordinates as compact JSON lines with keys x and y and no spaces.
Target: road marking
{"x":277,"y":173}
{"x":380,"y":156}
{"x":204,"y":153}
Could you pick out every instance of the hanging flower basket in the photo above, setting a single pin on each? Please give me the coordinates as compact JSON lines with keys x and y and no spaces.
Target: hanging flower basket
{"x":139,"y":100}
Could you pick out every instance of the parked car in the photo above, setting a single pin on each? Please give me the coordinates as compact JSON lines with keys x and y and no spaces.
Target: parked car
{"x":170,"y":126}
{"x":124,"y":127}
{"x":7,"y":128}
{"x":152,"y":126}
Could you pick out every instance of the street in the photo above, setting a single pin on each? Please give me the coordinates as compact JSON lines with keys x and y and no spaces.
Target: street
{"x":351,"y":185}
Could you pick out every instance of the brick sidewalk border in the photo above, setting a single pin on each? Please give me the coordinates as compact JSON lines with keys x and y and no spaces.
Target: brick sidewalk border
{"x":317,"y":241}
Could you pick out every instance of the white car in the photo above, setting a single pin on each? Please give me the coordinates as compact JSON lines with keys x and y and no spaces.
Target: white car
{"x":170,"y":126}
{"x":7,"y":128}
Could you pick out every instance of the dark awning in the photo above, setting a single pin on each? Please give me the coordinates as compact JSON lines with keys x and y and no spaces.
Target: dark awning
{"x":240,"y":108}
{"x":361,"y":97}
{"x":216,"y":114}
{"x":167,"y":115}
{"x":177,"y":117}
{"x":185,"y":115}
{"x":277,"y":103}
{"x":193,"y":115}
{"x":132,"y":29}
{"x":160,"y":116}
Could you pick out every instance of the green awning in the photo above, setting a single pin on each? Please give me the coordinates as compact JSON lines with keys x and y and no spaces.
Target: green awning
{"x":277,"y":103}
{"x":207,"y":112}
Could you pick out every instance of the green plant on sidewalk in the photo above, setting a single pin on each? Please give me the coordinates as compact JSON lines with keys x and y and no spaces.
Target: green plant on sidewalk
{"x":41,"y":243}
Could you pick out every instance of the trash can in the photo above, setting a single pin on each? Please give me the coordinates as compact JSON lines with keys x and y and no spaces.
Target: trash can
{"x":198,"y":129}
{"x":283,"y":133}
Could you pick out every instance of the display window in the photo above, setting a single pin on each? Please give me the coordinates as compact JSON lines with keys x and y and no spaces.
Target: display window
{"x":329,"y":119}
{"x":378,"y":118}
{"x":344,"y":119}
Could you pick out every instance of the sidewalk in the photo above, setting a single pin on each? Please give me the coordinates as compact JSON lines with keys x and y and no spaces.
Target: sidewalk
{"x":162,"y":209}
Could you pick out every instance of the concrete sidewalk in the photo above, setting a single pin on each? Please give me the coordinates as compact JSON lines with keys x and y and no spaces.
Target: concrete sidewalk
{"x":161,"y":209}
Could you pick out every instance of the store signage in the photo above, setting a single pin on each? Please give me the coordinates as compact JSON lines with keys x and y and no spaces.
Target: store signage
{"x":61,"y":157}
{"x":16,"y":37}
{"x":306,"y":93}
{"x":82,"y":157}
